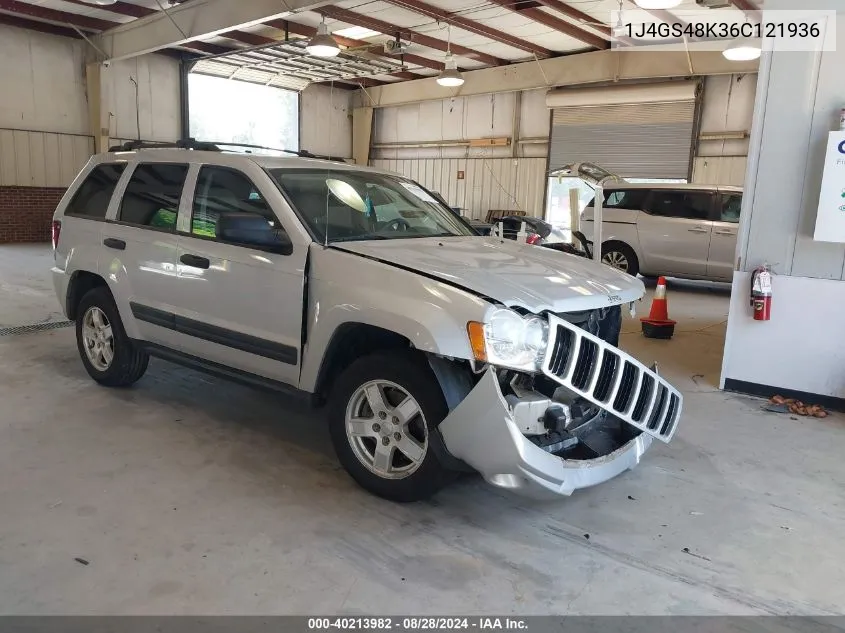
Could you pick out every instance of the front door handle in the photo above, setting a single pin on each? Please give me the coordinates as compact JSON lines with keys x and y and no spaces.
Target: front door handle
{"x":698,"y":229}
{"x":195,"y":261}
{"x":114,"y":243}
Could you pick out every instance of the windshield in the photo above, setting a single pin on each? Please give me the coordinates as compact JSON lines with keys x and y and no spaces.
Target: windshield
{"x":346,"y":205}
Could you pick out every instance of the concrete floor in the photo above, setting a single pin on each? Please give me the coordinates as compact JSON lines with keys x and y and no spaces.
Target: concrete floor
{"x":190,"y":495}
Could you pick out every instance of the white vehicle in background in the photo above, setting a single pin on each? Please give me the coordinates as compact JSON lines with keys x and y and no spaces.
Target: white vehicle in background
{"x":679,"y":230}
{"x":434,"y":349}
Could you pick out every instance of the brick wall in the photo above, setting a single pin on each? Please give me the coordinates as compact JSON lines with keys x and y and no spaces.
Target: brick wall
{"x":26,"y":213}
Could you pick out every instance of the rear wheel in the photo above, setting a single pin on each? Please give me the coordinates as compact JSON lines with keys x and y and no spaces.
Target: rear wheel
{"x":109,"y":355}
{"x":382,"y":414}
{"x":620,"y":256}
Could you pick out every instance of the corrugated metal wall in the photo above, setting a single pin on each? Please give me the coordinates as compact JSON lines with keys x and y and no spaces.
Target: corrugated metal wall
{"x":488,"y":183}
{"x":41,"y":159}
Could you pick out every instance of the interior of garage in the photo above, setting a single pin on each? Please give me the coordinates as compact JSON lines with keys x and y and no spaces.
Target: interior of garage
{"x":189,"y":495}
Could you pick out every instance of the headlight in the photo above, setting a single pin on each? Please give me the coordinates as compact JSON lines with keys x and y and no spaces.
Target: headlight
{"x":509,"y":340}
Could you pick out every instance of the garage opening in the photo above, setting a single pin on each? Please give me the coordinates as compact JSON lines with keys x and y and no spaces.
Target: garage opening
{"x":232,"y":111}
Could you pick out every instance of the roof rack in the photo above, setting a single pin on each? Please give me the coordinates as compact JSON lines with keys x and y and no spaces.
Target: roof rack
{"x":205,"y":146}
{"x":188,"y":143}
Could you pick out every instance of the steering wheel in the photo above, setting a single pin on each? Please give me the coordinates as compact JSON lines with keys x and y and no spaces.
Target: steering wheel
{"x":397,"y":224}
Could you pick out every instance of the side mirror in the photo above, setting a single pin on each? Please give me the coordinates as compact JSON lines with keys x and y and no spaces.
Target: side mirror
{"x":250,"y":229}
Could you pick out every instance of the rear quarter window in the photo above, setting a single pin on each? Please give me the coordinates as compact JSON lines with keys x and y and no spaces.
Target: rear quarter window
{"x":92,"y":198}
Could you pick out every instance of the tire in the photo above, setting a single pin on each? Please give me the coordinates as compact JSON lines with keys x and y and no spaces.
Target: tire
{"x":403,"y":479}
{"x":620,"y":256}
{"x":126,"y":363}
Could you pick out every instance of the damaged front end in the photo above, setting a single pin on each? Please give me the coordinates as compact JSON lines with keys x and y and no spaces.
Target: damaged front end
{"x":588,"y":415}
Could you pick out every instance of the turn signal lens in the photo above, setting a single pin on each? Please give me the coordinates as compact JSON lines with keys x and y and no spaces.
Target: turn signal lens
{"x":476,"y":340}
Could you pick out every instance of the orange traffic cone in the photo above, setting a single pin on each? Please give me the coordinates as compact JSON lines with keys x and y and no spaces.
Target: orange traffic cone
{"x":658,"y":324}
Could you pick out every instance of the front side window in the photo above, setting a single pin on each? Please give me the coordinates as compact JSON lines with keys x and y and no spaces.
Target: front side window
{"x":348,"y":205}
{"x":730,"y":208}
{"x":690,"y":205}
{"x":94,"y":194}
{"x":222,"y":190}
{"x":152,"y":195}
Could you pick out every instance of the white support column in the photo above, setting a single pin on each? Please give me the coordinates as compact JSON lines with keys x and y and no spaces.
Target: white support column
{"x":97,"y":88}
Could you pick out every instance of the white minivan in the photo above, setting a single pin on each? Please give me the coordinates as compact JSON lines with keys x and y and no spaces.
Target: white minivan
{"x":678,"y":230}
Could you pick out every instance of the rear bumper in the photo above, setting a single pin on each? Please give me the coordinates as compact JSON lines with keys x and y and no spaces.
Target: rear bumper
{"x":61,"y":280}
{"x":482,"y":432}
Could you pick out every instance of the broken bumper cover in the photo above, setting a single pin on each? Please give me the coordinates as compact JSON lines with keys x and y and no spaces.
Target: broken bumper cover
{"x":482,"y":432}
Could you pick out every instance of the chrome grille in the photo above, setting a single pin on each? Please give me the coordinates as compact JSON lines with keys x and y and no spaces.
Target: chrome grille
{"x":611,"y":379}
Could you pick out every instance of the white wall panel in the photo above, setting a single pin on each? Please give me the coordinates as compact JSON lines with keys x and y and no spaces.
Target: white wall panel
{"x":489,"y":183}
{"x":720,"y":170}
{"x":43,"y":82}
{"x":41,"y":159}
{"x":326,"y":121}
{"x":156,"y":102}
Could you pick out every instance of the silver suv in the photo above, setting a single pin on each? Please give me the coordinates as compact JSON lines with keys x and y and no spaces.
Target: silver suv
{"x":436,"y":350}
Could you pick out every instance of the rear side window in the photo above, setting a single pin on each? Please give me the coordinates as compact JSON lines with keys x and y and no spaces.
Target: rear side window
{"x":94,"y":194}
{"x":689,"y":205}
{"x":152,"y":195}
{"x":731,"y":205}
{"x":625,"y":198}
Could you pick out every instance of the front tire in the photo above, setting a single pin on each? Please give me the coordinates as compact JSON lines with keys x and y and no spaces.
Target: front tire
{"x":383,"y":412}
{"x":109,"y":355}
{"x":620,"y":256}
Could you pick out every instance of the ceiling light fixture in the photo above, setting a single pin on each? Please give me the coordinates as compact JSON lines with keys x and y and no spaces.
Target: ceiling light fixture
{"x":322,"y":44}
{"x":743,"y":50}
{"x":657,"y":4}
{"x":451,"y":77}
{"x":102,"y":3}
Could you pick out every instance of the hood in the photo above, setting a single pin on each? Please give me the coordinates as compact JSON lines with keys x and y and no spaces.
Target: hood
{"x":535,"y":278}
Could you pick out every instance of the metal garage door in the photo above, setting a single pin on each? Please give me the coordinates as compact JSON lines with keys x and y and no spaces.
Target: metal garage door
{"x":636,"y":131}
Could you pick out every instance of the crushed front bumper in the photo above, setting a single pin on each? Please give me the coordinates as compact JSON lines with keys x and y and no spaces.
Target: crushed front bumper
{"x":481,"y":431}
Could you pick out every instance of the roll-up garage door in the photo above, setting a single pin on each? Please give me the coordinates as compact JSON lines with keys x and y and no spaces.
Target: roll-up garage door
{"x":635,"y":131}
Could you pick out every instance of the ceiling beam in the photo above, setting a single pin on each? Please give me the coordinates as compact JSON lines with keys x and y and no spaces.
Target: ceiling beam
{"x":357,"y":19}
{"x":123,"y":8}
{"x":596,"y":68}
{"x":472,"y":26}
{"x":191,"y":21}
{"x":34,"y":25}
{"x":577,"y":15}
{"x":372,"y":49}
{"x":38,"y":12}
{"x":538,"y":15}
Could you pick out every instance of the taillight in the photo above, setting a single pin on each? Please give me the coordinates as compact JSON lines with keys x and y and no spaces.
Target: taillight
{"x":56,"y":231}
{"x":532,"y":239}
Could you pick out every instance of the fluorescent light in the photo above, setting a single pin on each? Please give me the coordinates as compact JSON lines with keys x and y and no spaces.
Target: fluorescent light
{"x":101,"y":2}
{"x":356,"y":32}
{"x":322,"y":44}
{"x":742,"y":50}
{"x":657,"y":4}
{"x":451,"y":77}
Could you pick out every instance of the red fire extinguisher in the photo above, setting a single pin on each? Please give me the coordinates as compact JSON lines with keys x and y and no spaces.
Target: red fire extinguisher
{"x":761,"y":293}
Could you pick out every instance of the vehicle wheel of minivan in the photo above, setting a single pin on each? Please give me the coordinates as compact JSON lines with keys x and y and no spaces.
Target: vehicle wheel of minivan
{"x":107,"y":352}
{"x":620,"y":256}
{"x":383,"y":411}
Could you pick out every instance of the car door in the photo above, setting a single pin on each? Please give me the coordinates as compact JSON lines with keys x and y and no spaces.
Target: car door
{"x":674,"y":231}
{"x":240,"y":306}
{"x":720,"y":263}
{"x":141,"y":239}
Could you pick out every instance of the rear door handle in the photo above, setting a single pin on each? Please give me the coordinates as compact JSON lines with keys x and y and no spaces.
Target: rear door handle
{"x":698,"y":229}
{"x":731,"y":233}
{"x":195,"y":260}
{"x":114,"y":243}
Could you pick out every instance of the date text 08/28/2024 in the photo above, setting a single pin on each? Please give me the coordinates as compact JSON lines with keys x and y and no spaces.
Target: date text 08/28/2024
{"x":417,"y":623}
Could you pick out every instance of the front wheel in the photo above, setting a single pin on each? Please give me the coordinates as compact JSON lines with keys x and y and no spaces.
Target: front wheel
{"x":383,"y":412}
{"x":621,"y":257}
